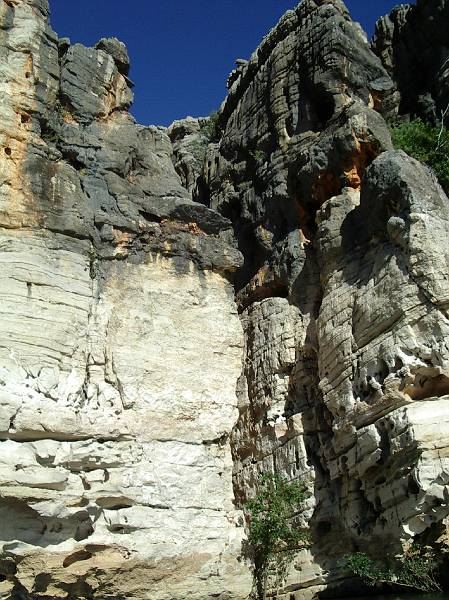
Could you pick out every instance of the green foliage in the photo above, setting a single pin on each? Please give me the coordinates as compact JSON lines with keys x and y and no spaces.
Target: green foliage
{"x":271,"y":512}
{"x":418,"y":569}
{"x":415,"y":569}
{"x":425,"y":143}
{"x":198,"y":149}
{"x":259,"y":156}
{"x":211,"y":128}
{"x":273,"y":536}
{"x":361,"y":565}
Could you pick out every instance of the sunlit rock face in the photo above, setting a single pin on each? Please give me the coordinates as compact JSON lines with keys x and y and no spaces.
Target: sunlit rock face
{"x":181,"y":311}
{"x":120,"y":342}
{"x":343,"y":293}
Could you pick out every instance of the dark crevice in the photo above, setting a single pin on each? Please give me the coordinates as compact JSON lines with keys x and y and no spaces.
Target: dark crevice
{"x":79,"y":556}
{"x":274,"y":289}
{"x":150,"y":217}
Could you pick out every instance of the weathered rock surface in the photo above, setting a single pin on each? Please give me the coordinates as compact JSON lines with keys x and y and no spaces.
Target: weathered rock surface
{"x":413,"y":44}
{"x":120,"y":343}
{"x":343,"y":294}
{"x":181,"y":313}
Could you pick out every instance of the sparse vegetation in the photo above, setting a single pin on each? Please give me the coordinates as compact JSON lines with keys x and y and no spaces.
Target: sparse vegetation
{"x":427,"y":144}
{"x":211,"y":128}
{"x":416,"y":569}
{"x":93,"y":262}
{"x":64,"y":112}
{"x":259,"y":156}
{"x":51,"y":128}
{"x":273,"y":535}
{"x":198,"y":149}
{"x":49,"y":135}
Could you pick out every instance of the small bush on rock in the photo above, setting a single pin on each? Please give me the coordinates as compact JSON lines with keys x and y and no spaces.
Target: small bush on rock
{"x":259,"y":156}
{"x":211,"y":128}
{"x":273,"y":536}
{"x":427,"y":144}
{"x":416,"y":569}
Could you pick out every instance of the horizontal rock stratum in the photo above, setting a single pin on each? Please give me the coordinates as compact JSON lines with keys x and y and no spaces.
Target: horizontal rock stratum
{"x":184,"y":308}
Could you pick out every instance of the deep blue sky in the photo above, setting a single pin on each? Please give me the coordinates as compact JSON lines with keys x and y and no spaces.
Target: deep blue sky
{"x":182,"y":51}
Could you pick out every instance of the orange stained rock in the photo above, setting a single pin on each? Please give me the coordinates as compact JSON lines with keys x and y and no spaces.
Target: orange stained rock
{"x":356,"y":164}
{"x":326,"y":186}
{"x":191,"y":227}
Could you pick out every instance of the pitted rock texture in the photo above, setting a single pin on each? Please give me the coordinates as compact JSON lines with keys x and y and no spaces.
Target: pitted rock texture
{"x":343,"y":294}
{"x":182,"y":311}
{"x":413,"y":44}
{"x":120,"y":343}
{"x":299,"y":125}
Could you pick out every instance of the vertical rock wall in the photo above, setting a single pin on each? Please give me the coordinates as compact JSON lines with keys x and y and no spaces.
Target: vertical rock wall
{"x":157,"y":354}
{"x":413,"y":44}
{"x":343,"y":294}
{"x":120,"y":343}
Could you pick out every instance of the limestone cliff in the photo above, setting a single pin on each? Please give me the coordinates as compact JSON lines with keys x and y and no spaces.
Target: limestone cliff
{"x":120,"y":342}
{"x":180,"y":314}
{"x":343,"y":294}
{"x":413,"y":44}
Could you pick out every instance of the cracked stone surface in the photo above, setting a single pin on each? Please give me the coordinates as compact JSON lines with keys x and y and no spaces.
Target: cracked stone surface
{"x":343,"y":293}
{"x":413,"y":44}
{"x":182,"y":311}
{"x":120,"y":343}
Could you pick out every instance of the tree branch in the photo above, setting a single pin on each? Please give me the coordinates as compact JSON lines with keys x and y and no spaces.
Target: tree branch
{"x":440,"y":142}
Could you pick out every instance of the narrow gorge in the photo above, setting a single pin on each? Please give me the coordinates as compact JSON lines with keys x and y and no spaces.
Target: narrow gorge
{"x":185,"y":308}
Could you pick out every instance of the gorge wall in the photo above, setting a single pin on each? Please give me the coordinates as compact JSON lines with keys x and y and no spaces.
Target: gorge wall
{"x":120,"y":340}
{"x":180,"y":314}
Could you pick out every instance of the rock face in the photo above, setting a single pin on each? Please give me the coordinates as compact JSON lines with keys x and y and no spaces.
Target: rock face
{"x":343,"y":294}
{"x":120,"y":343}
{"x":413,"y":44}
{"x":185,"y":308}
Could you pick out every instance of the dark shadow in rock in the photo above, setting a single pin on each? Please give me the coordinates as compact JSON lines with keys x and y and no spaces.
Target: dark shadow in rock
{"x":20,"y":523}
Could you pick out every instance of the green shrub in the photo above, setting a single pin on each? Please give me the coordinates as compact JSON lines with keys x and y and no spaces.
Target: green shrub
{"x":198,"y":148}
{"x":211,"y":128}
{"x":273,"y":536}
{"x":426,"y":143}
{"x":415,"y":569}
{"x":418,"y":569}
{"x":259,"y":156}
{"x":361,"y":565}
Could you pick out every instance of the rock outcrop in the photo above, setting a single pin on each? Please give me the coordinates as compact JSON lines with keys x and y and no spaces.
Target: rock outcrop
{"x":120,"y":342}
{"x":413,"y":44}
{"x":181,"y":313}
{"x":343,"y":293}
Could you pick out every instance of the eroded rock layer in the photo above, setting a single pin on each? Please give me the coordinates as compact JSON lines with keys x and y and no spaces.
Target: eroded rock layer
{"x":413,"y":44}
{"x":343,"y":293}
{"x":120,"y":343}
{"x":185,"y":308}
